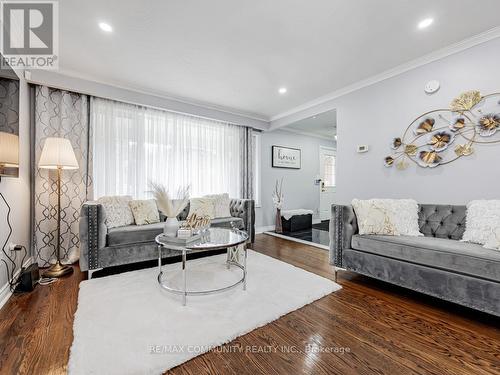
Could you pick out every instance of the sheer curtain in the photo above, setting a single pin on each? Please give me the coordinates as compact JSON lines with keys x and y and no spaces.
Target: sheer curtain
{"x":134,"y":145}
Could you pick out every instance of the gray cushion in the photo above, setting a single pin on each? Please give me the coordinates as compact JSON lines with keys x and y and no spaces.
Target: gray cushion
{"x":455,"y":256}
{"x":134,"y":234}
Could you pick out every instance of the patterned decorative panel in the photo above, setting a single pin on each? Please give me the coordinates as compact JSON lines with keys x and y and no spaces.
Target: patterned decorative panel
{"x":61,"y":114}
{"x":247,"y":150}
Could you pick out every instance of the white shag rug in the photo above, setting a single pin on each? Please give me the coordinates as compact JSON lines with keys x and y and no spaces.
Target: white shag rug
{"x":126,"y":324}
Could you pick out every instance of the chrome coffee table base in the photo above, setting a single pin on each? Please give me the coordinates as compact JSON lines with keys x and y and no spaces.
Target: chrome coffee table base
{"x":232,"y":260}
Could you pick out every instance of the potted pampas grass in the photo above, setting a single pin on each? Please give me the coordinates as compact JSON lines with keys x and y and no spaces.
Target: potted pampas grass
{"x":171,"y":208}
{"x":278,"y":205}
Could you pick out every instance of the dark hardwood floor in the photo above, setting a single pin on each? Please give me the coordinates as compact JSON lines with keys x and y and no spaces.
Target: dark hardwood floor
{"x":368,"y":327}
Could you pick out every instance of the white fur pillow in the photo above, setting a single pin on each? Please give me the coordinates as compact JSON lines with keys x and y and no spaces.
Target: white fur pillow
{"x":483,"y":220}
{"x":392,"y":217}
{"x":494,"y":241}
{"x":221,"y":204}
{"x":117,"y":210}
{"x":202,"y":207}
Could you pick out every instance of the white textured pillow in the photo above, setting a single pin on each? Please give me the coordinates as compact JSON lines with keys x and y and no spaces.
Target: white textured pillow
{"x":145,"y":211}
{"x":494,"y":241}
{"x":202,"y":207}
{"x":483,"y":219}
{"x":393,"y":217}
{"x":118,"y":212}
{"x":221,"y":204}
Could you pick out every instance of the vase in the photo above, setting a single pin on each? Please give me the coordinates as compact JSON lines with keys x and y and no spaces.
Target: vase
{"x":171,"y":227}
{"x":279,"y":225}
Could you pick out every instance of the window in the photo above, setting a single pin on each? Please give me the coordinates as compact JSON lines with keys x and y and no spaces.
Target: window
{"x":329,"y":171}
{"x":135,"y":145}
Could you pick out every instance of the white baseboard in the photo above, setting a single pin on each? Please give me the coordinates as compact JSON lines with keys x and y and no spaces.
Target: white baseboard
{"x":5,"y":292}
{"x":260,"y":230}
{"x":324,"y":247}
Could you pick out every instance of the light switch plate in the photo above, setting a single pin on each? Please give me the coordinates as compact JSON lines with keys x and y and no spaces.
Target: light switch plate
{"x":362,"y":148}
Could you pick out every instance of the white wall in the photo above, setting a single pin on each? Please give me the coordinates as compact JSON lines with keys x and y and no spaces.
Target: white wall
{"x":17,"y":192}
{"x":298,"y":184}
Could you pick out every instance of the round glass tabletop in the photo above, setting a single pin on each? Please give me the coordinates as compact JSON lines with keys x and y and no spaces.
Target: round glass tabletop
{"x":212,"y":239}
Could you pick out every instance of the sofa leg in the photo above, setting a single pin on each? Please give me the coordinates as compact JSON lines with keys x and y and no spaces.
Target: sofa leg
{"x":90,"y":272}
{"x":335,"y":273}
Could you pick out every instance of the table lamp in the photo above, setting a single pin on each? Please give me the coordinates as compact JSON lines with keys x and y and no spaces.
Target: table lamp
{"x":58,"y":154}
{"x":9,"y":151}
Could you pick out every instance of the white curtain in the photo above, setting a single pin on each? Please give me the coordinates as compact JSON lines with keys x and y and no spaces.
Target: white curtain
{"x":134,"y":145}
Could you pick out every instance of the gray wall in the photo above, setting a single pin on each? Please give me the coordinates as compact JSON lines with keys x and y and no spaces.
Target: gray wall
{"x":298,"y":184}
{"x":378,"y":113}
{"x":84,"y":86}
{"x":17,"y":192}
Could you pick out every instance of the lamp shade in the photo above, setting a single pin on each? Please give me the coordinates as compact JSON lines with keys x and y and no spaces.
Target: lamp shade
{"x":57,"y":153}
{"x":9,"y":150}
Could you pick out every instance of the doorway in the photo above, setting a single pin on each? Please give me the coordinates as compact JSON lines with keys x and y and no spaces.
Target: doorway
{"x":327,"y":159}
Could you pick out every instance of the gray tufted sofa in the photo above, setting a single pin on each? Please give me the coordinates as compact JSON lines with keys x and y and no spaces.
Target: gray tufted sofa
{"x":437,"y":264}
{"x":101,"y":247}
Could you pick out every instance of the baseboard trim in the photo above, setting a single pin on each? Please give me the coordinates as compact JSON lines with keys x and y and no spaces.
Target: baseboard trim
{"x":5,"y":292}
{"x":264,"y":229}
{"x":324,"y":247}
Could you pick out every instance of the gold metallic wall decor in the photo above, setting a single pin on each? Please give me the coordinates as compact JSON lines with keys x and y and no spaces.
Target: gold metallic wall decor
{"x":472,"y":119}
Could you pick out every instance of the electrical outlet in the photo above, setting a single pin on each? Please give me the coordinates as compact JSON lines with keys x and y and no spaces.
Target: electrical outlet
{"x":13,"y":247}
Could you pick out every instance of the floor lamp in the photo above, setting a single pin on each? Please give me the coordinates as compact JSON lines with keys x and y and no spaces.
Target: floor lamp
{"x":58,"y":154}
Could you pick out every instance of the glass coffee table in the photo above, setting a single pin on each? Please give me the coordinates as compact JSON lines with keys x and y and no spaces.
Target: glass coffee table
{"x":212,"y":239}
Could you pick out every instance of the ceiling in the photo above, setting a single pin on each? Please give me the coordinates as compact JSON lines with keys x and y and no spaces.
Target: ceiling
{"x":237,"y":54}
{"x":323,"y":125}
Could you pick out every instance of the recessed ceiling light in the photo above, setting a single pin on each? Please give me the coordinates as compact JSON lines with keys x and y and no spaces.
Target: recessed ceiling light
{"x":425,"y":23}
{"x":105,"y":27}
{"x":282,"y":90}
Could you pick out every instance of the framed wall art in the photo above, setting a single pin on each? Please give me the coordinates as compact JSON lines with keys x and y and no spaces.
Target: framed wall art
{"x":286,"y":157}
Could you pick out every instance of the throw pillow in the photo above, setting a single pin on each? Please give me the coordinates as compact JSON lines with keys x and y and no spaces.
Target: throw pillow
{"x":202,"y":207}
{"x":494,"y":241}
{"x":387,"y":216}
{"x":117,"y":210}
{"x":373,"y":218}
{"x":405,"y":216}
{"x":145,"y":211}
{"x":482,"y":220}
{"x":222,"y":203}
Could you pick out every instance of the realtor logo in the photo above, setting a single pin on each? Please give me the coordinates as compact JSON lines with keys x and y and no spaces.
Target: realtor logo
{"x":29,"y":37}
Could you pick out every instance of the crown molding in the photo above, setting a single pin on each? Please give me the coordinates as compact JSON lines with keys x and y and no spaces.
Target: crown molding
{"x":421,"y":61}
{"x":314,"y":135}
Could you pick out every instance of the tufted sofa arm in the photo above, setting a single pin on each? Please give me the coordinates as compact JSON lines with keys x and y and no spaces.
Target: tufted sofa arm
{"x":245,"y":209}
{"x":343,"y":225}
{"x":93,"y":233}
